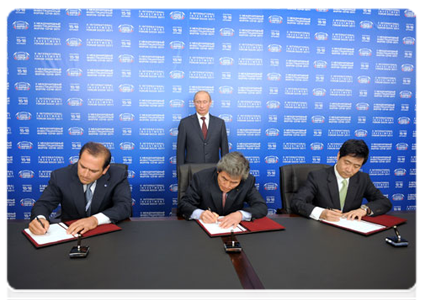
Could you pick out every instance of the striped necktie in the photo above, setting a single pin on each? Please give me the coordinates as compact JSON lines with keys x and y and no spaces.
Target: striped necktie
{"x":88,"y":199}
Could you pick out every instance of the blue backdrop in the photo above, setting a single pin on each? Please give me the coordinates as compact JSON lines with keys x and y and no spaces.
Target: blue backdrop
{"x":292,"y":86}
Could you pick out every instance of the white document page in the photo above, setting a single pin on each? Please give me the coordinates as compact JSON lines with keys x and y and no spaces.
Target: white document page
{"x":360,"y":226}
{"x":214,"y":228}
{"x":56,"y":232}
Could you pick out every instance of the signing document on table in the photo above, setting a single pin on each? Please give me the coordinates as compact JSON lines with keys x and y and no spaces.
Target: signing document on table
{"x":332,"y":193}
{"x":92,"y":192}
{"x":223,"y":191}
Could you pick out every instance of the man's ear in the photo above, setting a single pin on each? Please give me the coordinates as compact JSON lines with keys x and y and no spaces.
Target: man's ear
{"x":106,"y":169}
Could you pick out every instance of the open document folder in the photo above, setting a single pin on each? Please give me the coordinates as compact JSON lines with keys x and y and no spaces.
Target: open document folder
{"x":367,"y":225}
{"x":258,"y":225}
{"x":56,"y":234}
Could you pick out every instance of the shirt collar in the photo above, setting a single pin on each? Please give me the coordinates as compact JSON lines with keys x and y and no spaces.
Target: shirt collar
{"x":206,"y":115}
{"x":339,"y":178}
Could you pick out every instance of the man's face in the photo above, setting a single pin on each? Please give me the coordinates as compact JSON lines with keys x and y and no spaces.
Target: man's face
{"x":227,"y":182}
{"x":90,"y":168}
{"x":202,"y":103}
{"x":347,"y":166}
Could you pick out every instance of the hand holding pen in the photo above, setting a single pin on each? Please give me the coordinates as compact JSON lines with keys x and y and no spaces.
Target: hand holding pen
{"x":209,"y":217}
{"x":39,"y":226}
{"x":331,"y":214}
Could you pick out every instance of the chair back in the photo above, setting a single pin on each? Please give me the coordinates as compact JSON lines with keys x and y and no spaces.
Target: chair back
{"x":185,"y":173}
{"x":123,"y":166}
{"x":292,"y":177}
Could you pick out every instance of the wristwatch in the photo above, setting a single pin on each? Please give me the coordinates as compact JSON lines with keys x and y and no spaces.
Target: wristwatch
{"x":366,"y":208}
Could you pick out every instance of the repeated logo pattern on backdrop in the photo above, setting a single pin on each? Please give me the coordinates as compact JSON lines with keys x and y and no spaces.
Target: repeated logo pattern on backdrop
{"x":292,"y":86}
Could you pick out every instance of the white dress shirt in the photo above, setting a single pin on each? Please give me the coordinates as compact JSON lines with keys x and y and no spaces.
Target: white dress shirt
{"x":317,"y":211}
{"x":207,"y":120}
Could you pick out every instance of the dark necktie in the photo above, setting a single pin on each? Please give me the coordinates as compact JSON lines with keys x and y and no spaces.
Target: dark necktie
{"x":88,"y":199}
{"x":204,"y":127}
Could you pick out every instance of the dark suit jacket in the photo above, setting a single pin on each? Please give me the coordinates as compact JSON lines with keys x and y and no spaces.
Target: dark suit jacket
{"x":191,"y":146}
{"x":321,"y":189}
{"x":112,"y":195}
{"x":204,"y":192}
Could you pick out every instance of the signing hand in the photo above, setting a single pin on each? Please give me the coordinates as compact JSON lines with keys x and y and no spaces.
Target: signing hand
{"x":36,"y":228}
{"x":231,"y":220}
{"x":209,"y":217}
{"x":333,"y":215}
{"x":82,"y":226}
{"x":353,"y":214}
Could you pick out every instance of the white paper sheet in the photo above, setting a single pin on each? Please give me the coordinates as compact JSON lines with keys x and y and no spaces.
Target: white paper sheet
{"x":360,"y":226}
{"x":55,"y":233}
{"x":213,"y":228}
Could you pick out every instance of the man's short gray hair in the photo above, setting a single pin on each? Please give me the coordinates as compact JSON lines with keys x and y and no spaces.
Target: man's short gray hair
{"x":235,"y":164}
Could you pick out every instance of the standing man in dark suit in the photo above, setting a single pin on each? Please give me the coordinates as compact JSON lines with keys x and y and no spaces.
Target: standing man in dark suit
{"x":332,"y":193}
{"x":201,"y":135}
{"x":224,"y":190}
{"x":91,"y":191}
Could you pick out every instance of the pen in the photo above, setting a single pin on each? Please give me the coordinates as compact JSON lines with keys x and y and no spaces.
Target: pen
{"x":41,"y":223}
{"x":208,"y":208}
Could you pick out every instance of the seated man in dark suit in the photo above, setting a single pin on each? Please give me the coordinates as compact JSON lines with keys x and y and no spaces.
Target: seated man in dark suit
{"x":332,"y":193}
{"x":223,"y":191}
{"x":90,"y":191}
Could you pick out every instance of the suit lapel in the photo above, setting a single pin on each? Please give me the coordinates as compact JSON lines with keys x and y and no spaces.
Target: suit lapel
{"x":351,"y":192}
{"x":77,"y":191}
{"x":230,"y":199}
{"x":333,"y":189}
{"x":100,"y":190}
{"x":196,"y":125}
{"x":217,"y":195}
{"x":211,"y":127}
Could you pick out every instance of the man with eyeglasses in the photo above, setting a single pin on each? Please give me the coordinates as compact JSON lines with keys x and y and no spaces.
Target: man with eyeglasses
{"x":223,"y":191}
{"x":201,"y":136}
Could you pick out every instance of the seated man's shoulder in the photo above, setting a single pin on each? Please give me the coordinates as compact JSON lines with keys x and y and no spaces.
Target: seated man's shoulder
{"x":64,"y":170}
{"x":322,"y":171}
{"x":116,"y":170}
{"x":205,"y":172}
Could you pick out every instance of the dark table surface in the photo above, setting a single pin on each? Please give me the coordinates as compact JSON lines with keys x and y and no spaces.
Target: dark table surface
{"x":173,"y":254}
{"x":314,"y":255}
{"x":177,"y":254}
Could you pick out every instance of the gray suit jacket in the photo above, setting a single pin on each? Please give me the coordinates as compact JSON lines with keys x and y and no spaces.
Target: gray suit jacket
{"x":112,"y":195}
{"x":321,"y":189}
{"x":193,"y":148}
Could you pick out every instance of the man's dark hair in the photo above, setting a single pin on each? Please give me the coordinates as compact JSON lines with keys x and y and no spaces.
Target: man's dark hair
{"x":97,"y":149}
{"x":355,"y":148}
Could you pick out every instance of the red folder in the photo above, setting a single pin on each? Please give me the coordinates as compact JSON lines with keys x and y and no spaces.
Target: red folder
{"x":385,"y":220}
{"x":258,"y":225}
{"x":101,"y":229}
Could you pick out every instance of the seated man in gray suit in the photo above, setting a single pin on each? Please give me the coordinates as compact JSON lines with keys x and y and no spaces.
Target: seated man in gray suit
{"x":332,"y":193}
{"x":201,"y":136}
{"x":91,"y":191}
{"x":224,"y":190}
